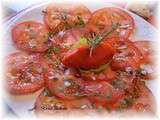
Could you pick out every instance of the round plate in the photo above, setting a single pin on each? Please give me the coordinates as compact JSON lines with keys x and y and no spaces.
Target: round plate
{"x":21,"y":104}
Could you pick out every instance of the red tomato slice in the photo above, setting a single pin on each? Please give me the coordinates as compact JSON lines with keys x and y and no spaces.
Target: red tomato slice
{"x":146,"y":100}
{"x":24,"y":73}
{"x":46,"y":103}
{"x":62,"y":83}
{"x":64,"y":41}
{"x":58,"y":17}
{"x":105,"y":18}
{"x":81,"y":58}
{"x":141,"y":100}
{"x":101,"y":93}
{"x":127,"y":55}
{"x":147,"y":63}
{"x":31,"y":36}
{"x":146,"y":48}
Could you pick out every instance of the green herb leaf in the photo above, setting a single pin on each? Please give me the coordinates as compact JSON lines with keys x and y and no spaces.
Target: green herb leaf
{"x":99,"y":109}
{"x":47,"y":93}
{"x":57,"y":63}
{"x":118,"y":84}
{"x":80,"y":21}
{"x":82,"y":41}
{"x":108,"y":108}
{"x":52,"y":50}
{"x":85,"y":95}
{"x":126,"y":102}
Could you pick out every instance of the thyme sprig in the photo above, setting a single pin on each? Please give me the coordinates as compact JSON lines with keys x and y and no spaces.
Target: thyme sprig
{"x":93,"y":43}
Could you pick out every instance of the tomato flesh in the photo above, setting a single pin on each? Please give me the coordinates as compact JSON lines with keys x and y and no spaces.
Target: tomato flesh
{"x":101,"y":93}
{"x":51,"y":104}
{"x":62,"y":83}
{"x":59,"y":17}
{"x":127,"y":55}
{"x":146,"y":48}
{"x":105,"y":18}
{"x":31,"y":36}
{"x":65,"y":40}
{"x":24,"y":73}
{"x":81,"y":57}
{"x":146,"y":101}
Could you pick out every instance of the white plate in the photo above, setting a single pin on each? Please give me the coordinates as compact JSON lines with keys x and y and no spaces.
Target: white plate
{"x":21,"y":104}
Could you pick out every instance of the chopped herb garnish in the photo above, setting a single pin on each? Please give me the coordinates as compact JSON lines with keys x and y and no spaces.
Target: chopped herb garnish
{"x":80,"y":21}
{"x":51,"y":34}
{"x":108,"y":109}
{"x":118,"y":84}
{"x":85,"y":95}
{"x":52,"y":50}
{"x":47,"y":93}
{"x":99,"y":109}
{"x":57,"y":63}
{"x":141,"y":72}
{"x":63,"y":16}
{"x":109,"y":96}
{"x":126,"y":102}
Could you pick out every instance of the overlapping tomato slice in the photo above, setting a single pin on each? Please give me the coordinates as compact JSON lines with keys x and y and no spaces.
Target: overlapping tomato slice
{"x":139,"y":100}
{"x":64,"y":41}
{"x":24,"y":73}
{"x":31,"y":36}
{"x":63,"y":83}
{"x":60,"y":17}
{"x":47,"y":104}
{"x":103,"y":19}
{"x":127,"y":54}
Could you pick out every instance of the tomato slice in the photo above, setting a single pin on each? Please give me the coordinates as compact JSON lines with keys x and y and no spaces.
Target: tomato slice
{"x":139,"y":99}
{"x":59,"y":17}
{"x":103,"y":19}
{"x":146,"y":101}
{"x":24,"y":73}
{"x":146,"y":48}
{"x":63,"y":42}
{"x":45,"y":103}
{"x":101,"y":93}
{"x":63,"y":84}
{"x":30,"y":36}
{"x":127,"y":55}
{"x":147,"y":66}
{"x":81,"y":57}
